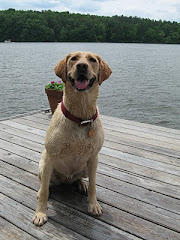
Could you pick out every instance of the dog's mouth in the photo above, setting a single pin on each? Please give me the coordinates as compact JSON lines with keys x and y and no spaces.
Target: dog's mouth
{"x":82,"y":83}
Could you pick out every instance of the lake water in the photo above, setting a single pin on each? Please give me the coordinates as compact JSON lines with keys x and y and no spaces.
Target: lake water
{"x":144,"y":85}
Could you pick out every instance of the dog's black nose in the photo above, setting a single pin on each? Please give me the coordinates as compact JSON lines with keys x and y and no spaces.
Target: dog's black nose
{"x":82,"y":66}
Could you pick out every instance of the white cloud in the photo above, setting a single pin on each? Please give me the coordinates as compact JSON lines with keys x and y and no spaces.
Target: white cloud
{"x":153,"y":9}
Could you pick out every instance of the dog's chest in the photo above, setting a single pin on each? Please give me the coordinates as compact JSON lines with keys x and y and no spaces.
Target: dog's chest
{"x":72,"y":156}
{"x":70,"y":147}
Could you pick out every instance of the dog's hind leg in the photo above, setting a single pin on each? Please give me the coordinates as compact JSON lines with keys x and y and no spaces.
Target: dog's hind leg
{"x":79,"y":182}
{"x":46,"y":169}
{"x":81,"y":186}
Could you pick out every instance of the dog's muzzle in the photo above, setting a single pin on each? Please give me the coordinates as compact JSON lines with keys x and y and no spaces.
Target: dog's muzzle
{"x":82,"y":82}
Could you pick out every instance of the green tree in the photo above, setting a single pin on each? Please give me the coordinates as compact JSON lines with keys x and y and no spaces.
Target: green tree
{"x":62,"y":26}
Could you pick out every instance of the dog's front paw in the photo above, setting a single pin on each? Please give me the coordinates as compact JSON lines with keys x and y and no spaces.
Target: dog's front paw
{"x":95,"y":209}
{"x":40,"y":218}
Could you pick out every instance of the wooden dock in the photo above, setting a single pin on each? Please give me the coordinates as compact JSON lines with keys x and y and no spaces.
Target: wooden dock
{"x":138,"y":184}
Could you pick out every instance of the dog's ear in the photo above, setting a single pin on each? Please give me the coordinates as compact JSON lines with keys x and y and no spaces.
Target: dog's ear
{"x":104,"y":71}
{"x":60,"y":69}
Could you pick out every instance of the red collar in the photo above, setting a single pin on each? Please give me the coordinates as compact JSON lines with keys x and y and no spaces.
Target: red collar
{"x":75,"y":119}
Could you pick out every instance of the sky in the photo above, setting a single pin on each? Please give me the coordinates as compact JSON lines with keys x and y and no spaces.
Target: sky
{"x":168,"y":10}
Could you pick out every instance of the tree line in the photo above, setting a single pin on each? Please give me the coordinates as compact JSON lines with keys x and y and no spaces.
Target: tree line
{"x":49,"y":26}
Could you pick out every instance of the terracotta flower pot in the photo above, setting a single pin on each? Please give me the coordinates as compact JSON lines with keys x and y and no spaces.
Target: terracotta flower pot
{"x":54,"y":97}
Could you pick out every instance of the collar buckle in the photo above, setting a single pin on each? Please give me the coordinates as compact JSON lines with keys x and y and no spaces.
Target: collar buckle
{"x":86,"y":122}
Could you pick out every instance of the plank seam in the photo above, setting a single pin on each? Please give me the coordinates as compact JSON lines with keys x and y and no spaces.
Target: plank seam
{"x":119,"y":169}
{"x":34,"y":210}
{"x":136,"y":215}
{"x":156,"y":152}
{"x":104,"y":154}
{"x":100,"y":200}
{"x":143,"y":165}
{"x":15,"y":224}
{"x":23,"y":114}
{"x":24,"y":130}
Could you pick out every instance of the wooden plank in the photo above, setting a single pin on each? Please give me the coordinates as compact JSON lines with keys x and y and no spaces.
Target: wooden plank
{"x":129,"y":190}
{"x":21,"y":216}
{"x":38,"y":147}
{"x":143,"y":161}
{"x":67,"y":216}
{"x":25,"y":128}
{"x":135,"y":167}
{"x":142,"y":129}
{"x":120,"y":124}
{"x":20,"y":140}
{"x":127,"y":141}
{"x":172,"y":144}
{"x":134,"y":224}
{"x":18,"y":161}
{"x":35,"y":157}
{"x":37,"y":129}
{"x":150,"y":184}
{"x":47,"y":116}
{"x":147,"y":183}
{"x":21,"y":133}
{"x":24,"y":114}
{"x":21,"y":151}
{"x":142,"y":140}
{"x":139,"y":170}
{"x":159,"y":208}
{"x":43,"y":115}
{"x":160,"y":175}
{"x":143,"y":153}
{"x":175,"y":170}
{"x":9,"y":231}
{"x":139,"y":193}
{"x":146,"y":135}
{"x":30,"y":123}
{"x":125,"y":146}
{"x":128,"y":122}
{"x":109,"y":137}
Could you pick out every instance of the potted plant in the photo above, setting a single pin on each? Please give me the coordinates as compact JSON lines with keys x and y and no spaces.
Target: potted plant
{"x":54,"y":91}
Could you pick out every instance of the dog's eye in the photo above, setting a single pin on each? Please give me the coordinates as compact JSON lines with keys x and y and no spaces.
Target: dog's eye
{"x":92,"y":59}
{"x":73,"y":58}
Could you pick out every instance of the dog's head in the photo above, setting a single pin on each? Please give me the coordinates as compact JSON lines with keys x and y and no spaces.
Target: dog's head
{"x":82,"y":70}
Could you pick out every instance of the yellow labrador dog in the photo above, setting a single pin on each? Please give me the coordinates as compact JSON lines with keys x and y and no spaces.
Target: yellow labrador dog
{"x":75,"y":135}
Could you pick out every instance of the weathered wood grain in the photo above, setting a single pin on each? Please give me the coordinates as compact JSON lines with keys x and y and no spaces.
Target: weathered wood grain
{"x":67,"y":216}
{"x":25,"y":128}
{"x":9,"y":231}
{"x":21,"y":133}
{"x":148,"y":134}
{"x":125,"y":188}
{"x":175,"y":170}
{"x":169,"y":143}
{"x":138,"y":183}
{"x":128,"y":122}
{"x":170,"y":157}
{"x":120,"y":201}
{"x":104,"y":169}
{"x":34,"y":146}
{"x":21,"y":216}
{"x":132,"y":223}
{"x":121,"y":164}
{"x":130,"y":141}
